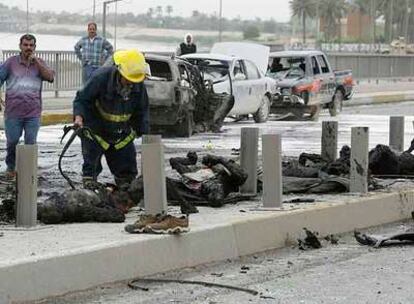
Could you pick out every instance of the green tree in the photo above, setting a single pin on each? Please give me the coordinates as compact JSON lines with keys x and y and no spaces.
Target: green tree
{"x":169,"y":10}
{"x":251,"y":32}
{"x":332,"y":11}
{"x":303,"y":9}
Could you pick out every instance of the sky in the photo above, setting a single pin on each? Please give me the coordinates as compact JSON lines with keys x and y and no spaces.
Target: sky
{"x":246,"y":9}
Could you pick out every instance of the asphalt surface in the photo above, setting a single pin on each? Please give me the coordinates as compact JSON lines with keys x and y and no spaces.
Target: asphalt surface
{"x":337,"y":273}
{"x":297,"y":137}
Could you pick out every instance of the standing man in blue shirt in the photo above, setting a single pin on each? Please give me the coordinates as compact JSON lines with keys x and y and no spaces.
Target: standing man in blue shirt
{"x":92,"y":51}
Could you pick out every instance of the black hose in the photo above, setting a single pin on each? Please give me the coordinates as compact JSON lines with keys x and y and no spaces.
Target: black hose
{"x":132,"y":284}
{"x":76,"y":132}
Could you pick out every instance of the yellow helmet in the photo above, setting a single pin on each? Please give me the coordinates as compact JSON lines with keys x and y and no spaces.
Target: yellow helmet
{"x":131,"y":64}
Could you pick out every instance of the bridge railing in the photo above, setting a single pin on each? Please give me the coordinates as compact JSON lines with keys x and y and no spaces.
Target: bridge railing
{"x":68,"y":69}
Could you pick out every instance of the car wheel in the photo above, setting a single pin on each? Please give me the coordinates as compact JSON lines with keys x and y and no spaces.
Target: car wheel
{"x":262,"y":113}
{"x":314,"y":112}
{"x":335,"y":106}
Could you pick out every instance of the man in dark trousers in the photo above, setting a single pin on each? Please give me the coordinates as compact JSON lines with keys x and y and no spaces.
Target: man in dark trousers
{"x":113,"y":107}
{"x":187,"y":47}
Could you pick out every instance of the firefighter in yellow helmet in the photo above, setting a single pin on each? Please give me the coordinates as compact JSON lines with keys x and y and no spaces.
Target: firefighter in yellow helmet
{"x":113,"y":108}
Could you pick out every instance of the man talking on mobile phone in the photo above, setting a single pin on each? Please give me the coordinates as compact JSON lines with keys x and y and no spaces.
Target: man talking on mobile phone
{"x":23,"y":74}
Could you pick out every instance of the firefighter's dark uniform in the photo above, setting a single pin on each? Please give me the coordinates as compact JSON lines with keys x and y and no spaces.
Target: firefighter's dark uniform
{"x":116,"y":115}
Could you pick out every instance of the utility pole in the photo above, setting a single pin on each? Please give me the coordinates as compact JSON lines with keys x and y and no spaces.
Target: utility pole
{"x":391,"y":19}
{"x":407,"y":21}
{"x":27,"y":16}
{"x":105,"y":3}
{"x":93,"y":12}
{"x":220,"y":19}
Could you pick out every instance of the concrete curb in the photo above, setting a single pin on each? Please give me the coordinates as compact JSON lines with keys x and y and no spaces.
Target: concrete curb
{"x":380,"y":97}
{"x":46,"y":276}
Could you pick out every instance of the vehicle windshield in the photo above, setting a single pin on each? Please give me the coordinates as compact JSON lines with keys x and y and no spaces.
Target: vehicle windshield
{"x":212,"y":69}
{"x":286,"y":67}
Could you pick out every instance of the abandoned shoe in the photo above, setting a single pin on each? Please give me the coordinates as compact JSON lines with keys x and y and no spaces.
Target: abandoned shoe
{"x":168,"y":224}
{"x":141,"y":223}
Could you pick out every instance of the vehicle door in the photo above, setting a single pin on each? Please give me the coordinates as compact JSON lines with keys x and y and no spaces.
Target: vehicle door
{"x":240,"y":87}
{"x":327,"y":77}
{"x":257,"y":86}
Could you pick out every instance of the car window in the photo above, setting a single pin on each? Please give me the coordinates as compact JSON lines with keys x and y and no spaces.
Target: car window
{"x":251,"y":69}
{"x":239,"y":68}
{"x":184,"y":76}
{"x":315,"y":66}
{"x":160,"y":69}
{"x":288,"y":67}
{"x":323,"y":64}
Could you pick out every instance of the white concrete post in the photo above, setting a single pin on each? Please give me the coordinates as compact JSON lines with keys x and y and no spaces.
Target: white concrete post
{"x":155,"y":189}
{"x":26,"y":185}
{"x":249,"y":142}
{"x":272,"y":170}
{"x":151,"y":139}
{"x":397,"y":133}
{"x":359,"y":160}
{"x":329,"y":141}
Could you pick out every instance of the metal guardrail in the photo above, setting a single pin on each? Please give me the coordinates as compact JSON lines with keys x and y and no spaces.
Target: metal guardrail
{"x":67,"y":67}
{"x":369,"y":66}
{"x":68,"y":70}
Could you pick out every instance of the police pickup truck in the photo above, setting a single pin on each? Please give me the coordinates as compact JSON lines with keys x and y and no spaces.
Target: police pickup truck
{"x":306,"y":83}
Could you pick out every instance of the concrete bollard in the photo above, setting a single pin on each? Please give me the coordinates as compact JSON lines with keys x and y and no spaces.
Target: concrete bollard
{"x":272,"y":170}
{"x":155,"y":189}
{"x":329,"y":141}
{"x":396,"y":137}
{"x":248,"y":158}
{"x":26,"y":183}
{"x":359,"y":160}
{"x":151,"y":139}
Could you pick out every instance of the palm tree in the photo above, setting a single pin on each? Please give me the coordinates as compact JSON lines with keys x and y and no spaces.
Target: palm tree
{"x":332,"y":11}
{"x":169,"y":10}
{"x":303,"y":9}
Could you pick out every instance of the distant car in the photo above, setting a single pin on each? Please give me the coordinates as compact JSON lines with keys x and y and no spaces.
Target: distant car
{"x":181,"y":103}
{"x":307,"y":83}
{"x":238,"y":76}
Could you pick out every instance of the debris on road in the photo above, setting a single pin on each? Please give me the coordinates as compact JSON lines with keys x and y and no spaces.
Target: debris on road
{"x":159,"y":224}
{"x":133,"y":284}
{"x":311,"y":240}
{"x":398,"y":238}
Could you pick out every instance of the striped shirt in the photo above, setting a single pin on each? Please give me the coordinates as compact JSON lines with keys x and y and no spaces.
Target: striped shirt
{"x":23,"y":88}
{"x":94,"y":51}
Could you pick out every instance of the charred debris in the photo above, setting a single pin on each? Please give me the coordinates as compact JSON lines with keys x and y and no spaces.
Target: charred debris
{"x":207,"y":181}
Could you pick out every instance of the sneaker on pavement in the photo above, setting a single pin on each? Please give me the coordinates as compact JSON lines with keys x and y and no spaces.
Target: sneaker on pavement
{"x":168,"y":224}
{"x":141,"y":223}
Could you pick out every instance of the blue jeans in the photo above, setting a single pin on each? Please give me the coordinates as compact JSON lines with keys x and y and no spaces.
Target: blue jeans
{"x":14,"y":128}
{"x":87,"y":72}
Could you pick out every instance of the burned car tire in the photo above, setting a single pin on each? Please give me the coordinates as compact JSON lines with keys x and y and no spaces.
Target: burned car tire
{"x":262,"y":113}
{"x":335,"y":106}
{"x":314,"y":112}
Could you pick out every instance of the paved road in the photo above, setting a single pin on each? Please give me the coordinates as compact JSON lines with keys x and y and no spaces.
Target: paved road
{"x":343,"y":273}
{"x":298,"y":136}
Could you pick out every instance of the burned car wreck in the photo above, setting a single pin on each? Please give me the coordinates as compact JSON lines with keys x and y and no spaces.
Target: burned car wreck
{"x":181,"y":101}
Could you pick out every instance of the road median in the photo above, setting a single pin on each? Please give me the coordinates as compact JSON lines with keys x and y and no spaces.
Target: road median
{"x":55,"y":260}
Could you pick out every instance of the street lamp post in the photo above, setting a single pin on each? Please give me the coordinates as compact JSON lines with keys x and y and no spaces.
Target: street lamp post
{"x":220,"y":19}
{"x":27,"y":16}
{"x":105,"y":3}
